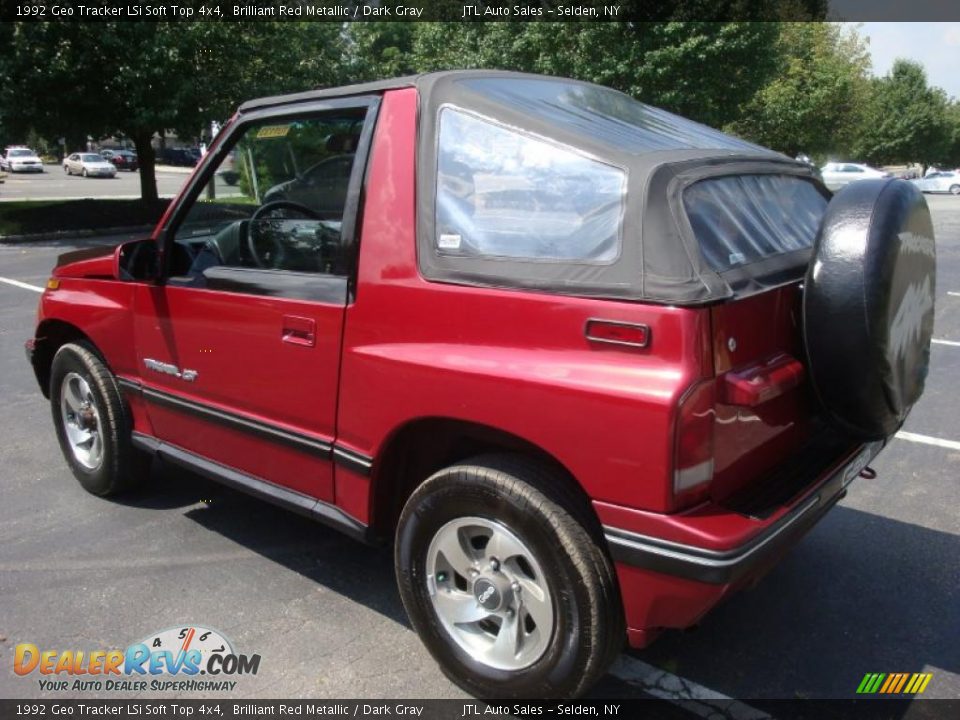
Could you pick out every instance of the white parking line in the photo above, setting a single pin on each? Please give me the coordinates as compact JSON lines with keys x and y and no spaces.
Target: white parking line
{"x":952,"y":343}
{"x":693,"y":697}
{"x":928,"y":440}
{"x":955,"y":294}
{"x":17,"y":283}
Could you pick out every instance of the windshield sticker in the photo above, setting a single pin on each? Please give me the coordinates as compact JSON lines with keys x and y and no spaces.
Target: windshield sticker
{"x":272,"y":131}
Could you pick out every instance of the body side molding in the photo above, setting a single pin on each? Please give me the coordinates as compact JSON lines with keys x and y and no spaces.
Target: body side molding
{"x":350,"y":459}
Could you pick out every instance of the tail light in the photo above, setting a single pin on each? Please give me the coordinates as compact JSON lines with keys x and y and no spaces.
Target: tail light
{"x":693,"y":445}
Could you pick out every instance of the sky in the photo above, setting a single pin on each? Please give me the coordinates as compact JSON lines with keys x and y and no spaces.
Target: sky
{"x":934,"y":45}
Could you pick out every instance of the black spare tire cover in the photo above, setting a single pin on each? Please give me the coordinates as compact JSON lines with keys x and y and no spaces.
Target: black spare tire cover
{"x":868,"y":306}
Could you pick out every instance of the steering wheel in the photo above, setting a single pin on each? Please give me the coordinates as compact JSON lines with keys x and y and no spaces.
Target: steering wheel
{"x":253,"y":233}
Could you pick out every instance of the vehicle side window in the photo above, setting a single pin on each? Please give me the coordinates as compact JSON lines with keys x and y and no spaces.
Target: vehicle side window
{"x":743,"y":219}
{"x":276,"y":201}
{"x":506,"y":194}
{"x":852,"y":169}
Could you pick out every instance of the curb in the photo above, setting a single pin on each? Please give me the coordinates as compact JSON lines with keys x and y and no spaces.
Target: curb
{"x":70,"y":234}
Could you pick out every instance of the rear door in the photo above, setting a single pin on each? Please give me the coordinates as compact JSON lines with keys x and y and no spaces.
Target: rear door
{"x":757,"y":232}
{"x":240,"y":346}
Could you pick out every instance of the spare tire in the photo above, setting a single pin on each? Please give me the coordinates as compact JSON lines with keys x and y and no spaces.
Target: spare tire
{"x":868,"y":306}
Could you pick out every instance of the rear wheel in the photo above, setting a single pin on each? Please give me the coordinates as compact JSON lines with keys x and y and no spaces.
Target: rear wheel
{"x":92,"y":423}
{"x":955,"y":189}
{"x":507,"y":588}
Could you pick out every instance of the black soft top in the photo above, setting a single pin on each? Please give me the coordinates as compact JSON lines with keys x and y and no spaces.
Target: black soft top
{"x":661,"y":153}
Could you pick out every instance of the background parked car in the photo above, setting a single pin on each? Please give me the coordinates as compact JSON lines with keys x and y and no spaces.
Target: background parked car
{"x":88,"y":165}
{"x":178,"y":156}
{"x":228,"y":169}
{"x":20,"y":159}
{"x":836,"y":175}
{"x":122,"y":159}
{"x":946,"y":181}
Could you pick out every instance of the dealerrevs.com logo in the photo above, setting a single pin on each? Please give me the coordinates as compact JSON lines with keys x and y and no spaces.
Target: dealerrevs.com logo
{"x":182,"y":659}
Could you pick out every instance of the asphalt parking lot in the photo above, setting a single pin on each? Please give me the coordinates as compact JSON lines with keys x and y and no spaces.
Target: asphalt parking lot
{"x":875,"y":587}
{"x":54,"y":183}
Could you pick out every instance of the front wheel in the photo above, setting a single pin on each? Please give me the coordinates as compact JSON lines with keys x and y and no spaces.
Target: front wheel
{"x":504,"y":583}
{"x":92,"y":422}
{"x":83,"y":172}
{"x":955,"y":189}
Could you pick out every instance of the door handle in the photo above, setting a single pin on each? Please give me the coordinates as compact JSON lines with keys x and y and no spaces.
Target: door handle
{"x":299,"y":331}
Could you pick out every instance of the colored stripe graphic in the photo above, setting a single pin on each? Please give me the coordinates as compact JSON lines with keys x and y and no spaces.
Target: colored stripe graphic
{"x":903,"y":679}
{"x":894,"y":683}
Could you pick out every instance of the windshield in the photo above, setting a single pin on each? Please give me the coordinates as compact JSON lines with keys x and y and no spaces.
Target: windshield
{"x":91,"y":158}
{"x":21,"y":153}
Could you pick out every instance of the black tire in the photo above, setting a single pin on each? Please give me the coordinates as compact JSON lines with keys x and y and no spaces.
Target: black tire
{"x":83,"y":172}
{"x":868,"y":306}
{"x":533,"y":503}
{"x":955,"y":189}
{"x":121,"y":466}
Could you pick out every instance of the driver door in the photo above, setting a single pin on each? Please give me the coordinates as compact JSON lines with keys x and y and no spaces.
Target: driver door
{"x":239,"y":344}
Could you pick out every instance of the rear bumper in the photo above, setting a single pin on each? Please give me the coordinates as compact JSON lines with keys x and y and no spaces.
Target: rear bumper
{"x":667,"y":582}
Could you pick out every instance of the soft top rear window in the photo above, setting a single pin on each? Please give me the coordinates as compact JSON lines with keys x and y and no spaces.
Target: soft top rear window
{"x":743,"y":219}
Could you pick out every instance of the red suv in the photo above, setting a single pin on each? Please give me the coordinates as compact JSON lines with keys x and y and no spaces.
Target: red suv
{"x":589,"y":365}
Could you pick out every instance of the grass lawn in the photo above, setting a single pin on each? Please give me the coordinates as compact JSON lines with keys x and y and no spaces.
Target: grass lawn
{"x":42,"y":216}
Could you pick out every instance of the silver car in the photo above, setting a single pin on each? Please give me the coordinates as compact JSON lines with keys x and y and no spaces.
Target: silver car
{"x":839,"y":174}
{"x":88,"y":165}
{"x":21,"y":159}
{"x":940,"y":182}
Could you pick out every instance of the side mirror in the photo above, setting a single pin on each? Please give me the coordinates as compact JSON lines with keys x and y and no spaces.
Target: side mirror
{"x":136,"y":260}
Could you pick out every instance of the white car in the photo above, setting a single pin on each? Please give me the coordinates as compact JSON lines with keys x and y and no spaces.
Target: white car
{"x":88,"y":165}
{"x":838,"y":174}
{"x":945,"y":181}
{"x":21,"y":159}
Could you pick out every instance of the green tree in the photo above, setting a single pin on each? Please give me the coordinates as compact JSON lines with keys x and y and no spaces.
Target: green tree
{"x":703,"y":70}
{"x":951,"y":150}
{"x":814,"y":100}
{"x":378,"y":50}
{"x":136,"y":79}
{"x":905,"y":119}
